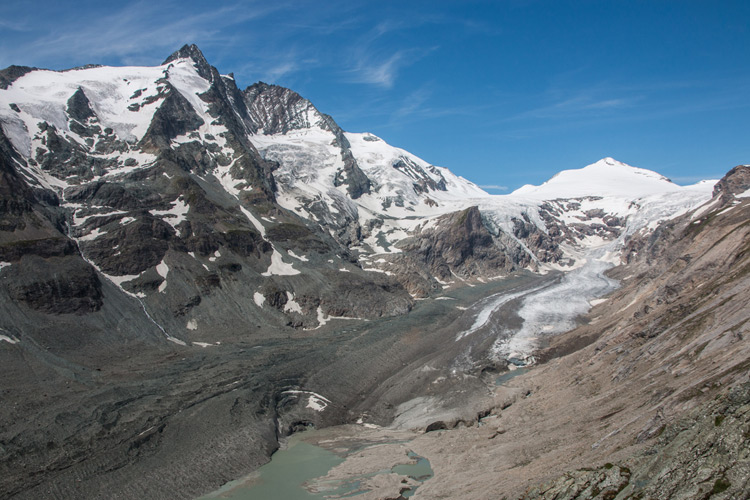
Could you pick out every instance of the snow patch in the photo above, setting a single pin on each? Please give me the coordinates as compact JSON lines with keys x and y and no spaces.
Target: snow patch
{"x":93,"y":235}
{"x":119,"y":280}
{"x":192,"y":325}
{"x":298,"y":257}
{"x":323,"y":319}
{"x":254,"y":221}
{"x":314,"y":400}
{"x":176,"y":214}
{"x":705,"y":208}
{"x":278,"y":267}
{"x":162,"y":270}
{"x":9,"y":339}
{"x":259,"y":299}
{"x":291,"y":304}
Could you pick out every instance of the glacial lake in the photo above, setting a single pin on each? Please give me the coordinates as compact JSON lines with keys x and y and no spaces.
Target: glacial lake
{"x":284,"y":477}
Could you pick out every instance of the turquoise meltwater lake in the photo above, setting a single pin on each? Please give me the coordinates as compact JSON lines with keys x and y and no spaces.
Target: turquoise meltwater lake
{"x":290,"y":468}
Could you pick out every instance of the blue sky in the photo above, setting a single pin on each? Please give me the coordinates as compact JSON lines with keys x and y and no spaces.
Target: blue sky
{"x":501,"y":92}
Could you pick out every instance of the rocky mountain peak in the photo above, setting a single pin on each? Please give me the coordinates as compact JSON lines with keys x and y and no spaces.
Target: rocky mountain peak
{"x":278,"y":110}
{"x":736,"y":181}
{"x":192,"y":51}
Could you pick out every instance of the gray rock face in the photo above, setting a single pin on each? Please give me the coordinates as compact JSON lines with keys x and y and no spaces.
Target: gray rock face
{"x":423,"y":183}
{"x":55,"y":285}
{"x":79,"y":107}
{"x":459,"y":243}
{"x":605,"y":482}
{"x":174,"y":117}
{"x":16,"y":198}
{"x":277,"y":110}
{"x":735,"y":182}
{"x":689,"y":460}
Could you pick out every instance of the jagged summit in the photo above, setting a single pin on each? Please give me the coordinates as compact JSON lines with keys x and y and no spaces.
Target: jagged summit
{"x":735,"y":184}
{"x":192,"y":51}
{"x":279,"y":110}
{"x":187,"y":51}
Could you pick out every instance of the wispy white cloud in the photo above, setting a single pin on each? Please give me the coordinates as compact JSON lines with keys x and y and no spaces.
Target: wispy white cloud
{"x":15,"y":25}
{"x":382,"y":73}
{"x":136,"y":32}
{"x":584,"y":102}
{"x":373,"y":60}
{"x":268,"y":70}
{"x":413,"y":103}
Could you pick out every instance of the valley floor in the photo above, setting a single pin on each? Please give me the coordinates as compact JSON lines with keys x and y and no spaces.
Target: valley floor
{"x":172,"y":423}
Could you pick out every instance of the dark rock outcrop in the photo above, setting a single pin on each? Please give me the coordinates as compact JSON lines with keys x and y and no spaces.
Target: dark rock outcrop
{"x":735,"y":182}
{"x":56,"y":285}
{"x":458,"y":243}
{"x":79,"y":106}
{"x":13,"y":73}
{"x":173,"y":118}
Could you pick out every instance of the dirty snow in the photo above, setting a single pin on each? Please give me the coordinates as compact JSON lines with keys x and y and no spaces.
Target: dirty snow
{"x":314,"y":400}
{"x":174,"y":215}
{"x":291,"y":304}
{"x":92,"y":235}
{"x":278,"y":267}
{"x":9,"y":339}
{"x":162,"y":269}
{"x":298,"y":257}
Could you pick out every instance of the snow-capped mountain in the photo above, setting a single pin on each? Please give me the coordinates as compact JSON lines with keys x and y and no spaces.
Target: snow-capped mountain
{"x":161,"y":174}
{"x":350,"y":183}
{"x":178,"y":257}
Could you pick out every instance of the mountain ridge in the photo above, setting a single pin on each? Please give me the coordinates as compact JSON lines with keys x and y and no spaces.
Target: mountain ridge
{"x":182,"y":257}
